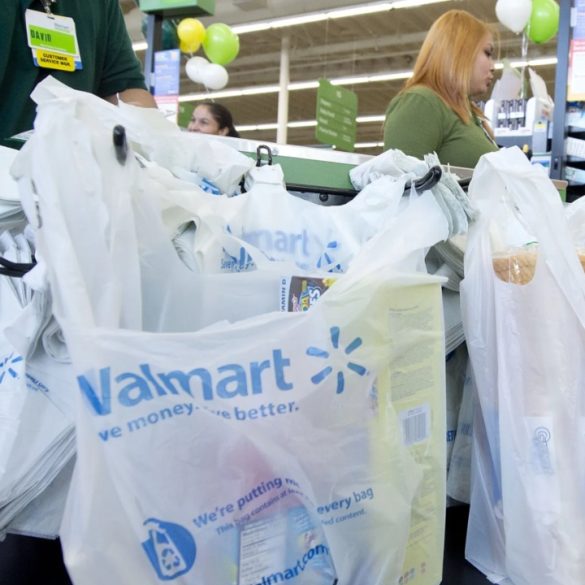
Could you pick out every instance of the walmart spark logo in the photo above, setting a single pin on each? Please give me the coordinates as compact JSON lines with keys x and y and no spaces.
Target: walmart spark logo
{"x":328,"y":370}
{"x":327,"y":259}
{"x":6,"y":366}
{"x":241,"y":263}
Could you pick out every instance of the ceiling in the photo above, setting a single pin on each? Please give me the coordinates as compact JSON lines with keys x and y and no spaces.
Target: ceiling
{"x":355,"y":46}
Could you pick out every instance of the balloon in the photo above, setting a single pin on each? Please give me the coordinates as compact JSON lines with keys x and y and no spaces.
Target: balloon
{"x":186,"y":48}
{"x":221,"y":44}
{"x":169,"y":34}
{"x":514,"y":14}
{"x":189,"y":47}
{"x":194,"y":68}
{"x":544,"y":21}
{"x":191,"y":33}
{"x":214,"y":76}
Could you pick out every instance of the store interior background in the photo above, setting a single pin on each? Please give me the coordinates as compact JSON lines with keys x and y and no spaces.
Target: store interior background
{"x":359,"y":46}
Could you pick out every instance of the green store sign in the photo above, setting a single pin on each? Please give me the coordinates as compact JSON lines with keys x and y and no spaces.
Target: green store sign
{"x":336,"y":116}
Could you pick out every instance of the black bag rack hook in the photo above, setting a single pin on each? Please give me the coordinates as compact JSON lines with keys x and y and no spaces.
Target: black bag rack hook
{"x":15,"y":269}
{"x":263,"y":147}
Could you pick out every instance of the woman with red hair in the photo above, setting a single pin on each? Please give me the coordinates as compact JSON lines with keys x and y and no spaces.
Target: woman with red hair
{"x":435,"y":111}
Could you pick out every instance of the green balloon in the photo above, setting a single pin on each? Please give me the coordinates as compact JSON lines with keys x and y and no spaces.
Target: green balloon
{"x":544,"y":21}
{"x":221,"y":45}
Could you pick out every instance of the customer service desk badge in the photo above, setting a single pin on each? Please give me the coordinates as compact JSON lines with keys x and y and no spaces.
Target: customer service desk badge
{"x":53,"y":41}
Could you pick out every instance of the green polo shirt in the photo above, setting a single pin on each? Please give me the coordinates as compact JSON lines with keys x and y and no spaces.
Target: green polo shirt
{"x":419,"y":122}
{"x":109,"y":63}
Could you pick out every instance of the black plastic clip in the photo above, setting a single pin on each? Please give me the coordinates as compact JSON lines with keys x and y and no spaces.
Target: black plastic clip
{"x":259,"y":155}
{"x":120,"y":144}
{"x":426,"y":182}
{"x":16,"y":269}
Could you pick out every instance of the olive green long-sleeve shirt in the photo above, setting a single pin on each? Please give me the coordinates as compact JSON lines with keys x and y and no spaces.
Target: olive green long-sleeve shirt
{"x":419,"y":122}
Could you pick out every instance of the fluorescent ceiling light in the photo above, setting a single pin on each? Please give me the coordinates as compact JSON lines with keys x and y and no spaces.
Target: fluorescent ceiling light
{"x":140,"y":46}
{"x":296,"y":20}
{"x":274,"y":126}
{"x":390,"y":76}
{"x":304,"y":124}
{"x":534,"y":62}
{"x":303,"y":85}
{"x":295,"y":86}
{"x":370,"y":8}
{"x":228,"y":93}
{"x":367,"y":8}
{"x":370,"y":119}
{"x":368,"y":144}
{"x":260,"y":90}
{"x":255,"y":127}
{"x":300,"y":85}
{"x":371,"y":78}
{"x":540,"y":62}
{"x":357,"y":80}
{"x":413,"y":3}
{"x":359,"y":10}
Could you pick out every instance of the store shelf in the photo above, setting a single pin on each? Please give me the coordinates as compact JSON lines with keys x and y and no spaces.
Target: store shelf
{"x":568,"y":143}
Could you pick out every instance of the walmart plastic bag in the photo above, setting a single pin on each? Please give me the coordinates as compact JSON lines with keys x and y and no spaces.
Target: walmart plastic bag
{"x":274,"y":448}
{"x":266,"y":416}
{"x":210,"y":164}
{"x":286,"y":228}
{"x":524,"y":317}
{"x":36,"y":438}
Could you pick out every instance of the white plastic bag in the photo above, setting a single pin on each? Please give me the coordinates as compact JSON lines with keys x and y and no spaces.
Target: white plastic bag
{"x":36,"y":438}
{"x":575,"y":213}
{"x":524,"y":317}
{"x":185,"y":439}
{"x":287,"y":228}
{"x":158,"y":139}
{"x":242,"y":461}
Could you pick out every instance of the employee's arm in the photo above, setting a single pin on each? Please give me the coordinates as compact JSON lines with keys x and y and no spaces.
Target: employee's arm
{"x":135,"y":96}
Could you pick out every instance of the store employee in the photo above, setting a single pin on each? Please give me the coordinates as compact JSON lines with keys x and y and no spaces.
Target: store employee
{"x":83,"y":43}
{"x":435,"y":111}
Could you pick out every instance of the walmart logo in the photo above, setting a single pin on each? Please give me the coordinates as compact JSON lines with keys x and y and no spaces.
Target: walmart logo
{"x":328,"y":370}
{"x":6,"y":368}
{"x":272,"y":370}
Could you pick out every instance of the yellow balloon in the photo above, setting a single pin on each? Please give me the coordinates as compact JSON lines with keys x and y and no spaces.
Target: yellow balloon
{"x":191,"y":33}
{"x":188,"y":47}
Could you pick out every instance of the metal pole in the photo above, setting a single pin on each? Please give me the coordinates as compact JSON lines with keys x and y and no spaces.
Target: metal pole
{"x":154,"y":41}
{"x":281,"y":131}
{"x":559,"y":131}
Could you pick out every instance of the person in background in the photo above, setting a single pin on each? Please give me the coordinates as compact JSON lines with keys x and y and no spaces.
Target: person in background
{"x":435,"y":112}
{"x":107,"y":67}
{"x":212,"y":118}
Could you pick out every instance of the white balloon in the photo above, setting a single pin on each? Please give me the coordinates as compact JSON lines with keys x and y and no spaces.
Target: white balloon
{"x":194,"y":68}
{"x":514,"y":14}
{"x":214,"y":76}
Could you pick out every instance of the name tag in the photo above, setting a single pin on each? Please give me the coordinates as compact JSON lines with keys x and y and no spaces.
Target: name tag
{"x":53,"y":41}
